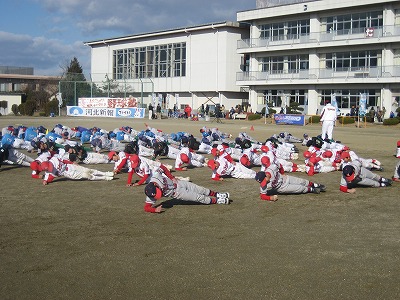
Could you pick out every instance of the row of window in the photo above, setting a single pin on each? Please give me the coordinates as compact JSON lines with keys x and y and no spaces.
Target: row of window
{"x":337,"y":61}
{"x":342,"y":24}
{"x":344,"y":98}
{"x":150,"y":62}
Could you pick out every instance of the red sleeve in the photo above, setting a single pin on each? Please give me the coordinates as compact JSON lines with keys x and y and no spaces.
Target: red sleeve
{"x":265,"y":197}
{"x":148,"y":207}
{"x":216,"y":177}
{"x":50,"y":178}
{"x":67,"y":162}
{"x":143,"y":180}
{"x":122,"y":164}
{"x":229,"y":158}
{"x":180,"y":169}
{"x":166,"y":171}
{"x":130,"y":175}
{"x":281,"y":170}
{"x":311,"y":171}
{"x":343,"y":188}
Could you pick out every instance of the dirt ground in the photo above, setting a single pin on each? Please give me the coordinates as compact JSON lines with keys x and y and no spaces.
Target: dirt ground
{"x":92,"y":240}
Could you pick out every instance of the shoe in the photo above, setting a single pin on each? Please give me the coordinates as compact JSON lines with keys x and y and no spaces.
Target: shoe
{"x":108,"y":178}
{"x":322,"y":188}
{"x":109,"y":174}
{"x":380,"y":169}
{"x":222,"y":200}
{"x":223,"y":195}
{"x":315,"y":190}
{"x":386,"y":181}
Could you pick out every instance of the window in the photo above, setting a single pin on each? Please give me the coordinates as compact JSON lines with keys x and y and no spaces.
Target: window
{"x":285,"y":31}
{"x":345,"y":61}
{"x":347,"y":98}
{"x":287,"y":64}
{"x":151,"y":61}
{"x":354,"y":23}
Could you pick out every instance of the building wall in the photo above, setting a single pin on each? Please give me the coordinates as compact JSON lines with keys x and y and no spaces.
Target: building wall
{"x":211,"y":64}
{"x":384,"y":78}
{"x":11,"y":100}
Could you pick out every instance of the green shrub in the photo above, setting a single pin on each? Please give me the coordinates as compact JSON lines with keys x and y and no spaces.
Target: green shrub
{"x":14,"y":109}
{"x":21,"y":108}
{"x":253,"y":117}
{"x":346,"y":120}
{"x":51,"y":107}
{"x":30,"y":107}
{"x":392,"y":121}
{"x":369,"y":119}
{"x":314,"y":119}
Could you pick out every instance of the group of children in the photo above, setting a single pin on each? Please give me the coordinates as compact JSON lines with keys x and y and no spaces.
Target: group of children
{"x":62,"y":151}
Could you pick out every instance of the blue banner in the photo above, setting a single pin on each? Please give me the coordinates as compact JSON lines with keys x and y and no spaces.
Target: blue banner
{"x":362,"y":110}
{"x":289,"y":119}
{"x":132,"y":112}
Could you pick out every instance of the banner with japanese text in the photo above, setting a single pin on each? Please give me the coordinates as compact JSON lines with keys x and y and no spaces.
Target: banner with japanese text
{"x":77,"y":111}
{"x":107,"y":102}
{"x":289,"y":119}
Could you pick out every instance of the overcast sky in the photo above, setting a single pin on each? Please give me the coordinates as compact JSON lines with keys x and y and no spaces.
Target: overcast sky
{"x":47,"y":34}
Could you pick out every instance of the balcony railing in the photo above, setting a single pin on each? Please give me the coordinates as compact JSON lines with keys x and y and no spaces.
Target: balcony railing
{"x":321,"y":37}
{"x":323,"y":73}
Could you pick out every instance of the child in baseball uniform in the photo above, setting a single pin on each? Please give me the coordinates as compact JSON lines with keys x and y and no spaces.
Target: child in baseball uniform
{"x":272,"y":183}
{"x":223,"y":168}
{"x":187,"y":158}
{"x":12,"y":156}
{"x":161,"y":185}
{"x":354,"y":174}
{"x":56,"y":167}
{"x":144,"y":168}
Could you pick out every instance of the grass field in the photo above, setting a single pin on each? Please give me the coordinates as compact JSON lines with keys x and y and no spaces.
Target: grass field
{"x":92,"y":240}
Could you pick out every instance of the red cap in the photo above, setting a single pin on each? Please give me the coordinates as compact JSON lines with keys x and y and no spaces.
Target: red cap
{"x":212,"y":164}
{"x":244,"y":160}
{"x":327,"y":154}
{"x":344,"y":155}
{"x":264,"y":148}
{"x":307,"y":154}
{"x":184,"y":158}
{"x":111,"y":155}
{"x":398,"y":143}
{"x":265,"y":161}
{"x":47,"y":166}
{"x":35,"y":166}
{"x":214,"y":151}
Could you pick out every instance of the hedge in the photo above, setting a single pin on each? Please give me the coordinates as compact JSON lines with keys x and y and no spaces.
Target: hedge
{"x":391,"y":121}
{"x":346,"y":120}
{"x":314,"y":119}
{"x":253,"y":117}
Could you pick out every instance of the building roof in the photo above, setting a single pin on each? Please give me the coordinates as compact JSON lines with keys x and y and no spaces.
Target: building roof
{"x":169,"y":31}
{"x":28,"y":77}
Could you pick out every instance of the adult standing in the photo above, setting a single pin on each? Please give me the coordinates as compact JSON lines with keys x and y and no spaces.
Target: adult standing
{"x":150,"y":111}
{"x":207,"y":109}
{"x":328,"y":120}
{"x":158,"y":111}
